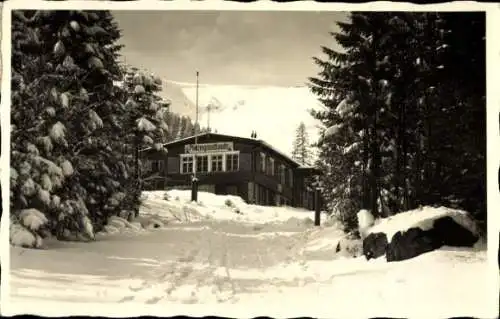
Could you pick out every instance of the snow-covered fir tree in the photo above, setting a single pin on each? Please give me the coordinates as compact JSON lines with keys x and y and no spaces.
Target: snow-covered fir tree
{"x":301,"y":151}
{"x":63,"y":64}
{"x":146,"y":116}
{"x":387,"y":95}
{"x":69,"y":165}
{"x":179,"y":126}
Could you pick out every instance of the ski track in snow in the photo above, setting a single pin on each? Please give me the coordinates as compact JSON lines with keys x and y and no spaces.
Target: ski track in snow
{"x":184,"y":263}
{"x":226,"y":262}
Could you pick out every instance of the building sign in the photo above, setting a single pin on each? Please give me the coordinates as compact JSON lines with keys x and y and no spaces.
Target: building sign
{"x":209,"y":148}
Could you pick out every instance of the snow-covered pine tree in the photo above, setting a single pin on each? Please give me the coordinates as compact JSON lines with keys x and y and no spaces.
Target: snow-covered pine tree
{"x":198,"y":129}
{"x":180,"y":127}
{"x":97,"y":146}
{"x":146,"y":113}
{"x":62,"y":69}
{"x":188,"y":127}
{"x":172,"y":122}
{"x":434,"y":168}
{"x":349,"y":86}
{"x":387,"y":97}
{"x":301,"y":151}
{"x":460,"y":134}
{"x":410,"y":55}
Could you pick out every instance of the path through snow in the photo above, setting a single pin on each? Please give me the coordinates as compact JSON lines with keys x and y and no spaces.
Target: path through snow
{"x":181,"y":263}
{"x":242,"y":268}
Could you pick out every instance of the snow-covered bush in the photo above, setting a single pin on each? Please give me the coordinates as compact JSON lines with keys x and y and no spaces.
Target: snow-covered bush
{"x":118,"y":224}
{"x":26,"y":228}
{"x":349,"y":246}
{"x":23,"y":237}
{"x":166,"y":196}
{"x":154,"y":224}
{"x":228,"y":203}
{"x":110,"y":229}
{"x":127,"y":215}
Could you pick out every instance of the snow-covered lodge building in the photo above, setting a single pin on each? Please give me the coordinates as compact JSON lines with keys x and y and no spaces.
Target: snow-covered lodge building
{"x":230,"y":165}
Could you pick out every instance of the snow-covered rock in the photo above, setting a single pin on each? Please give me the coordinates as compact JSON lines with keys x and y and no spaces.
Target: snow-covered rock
{"x":374,"y":245}
{"x":424,"y":219}
{"x":415,"y":232}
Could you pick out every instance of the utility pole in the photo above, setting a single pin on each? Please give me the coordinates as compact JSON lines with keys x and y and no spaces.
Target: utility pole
{"x":208,"y":116}
{"x":196,"y":120}
{"x":194,"y":182}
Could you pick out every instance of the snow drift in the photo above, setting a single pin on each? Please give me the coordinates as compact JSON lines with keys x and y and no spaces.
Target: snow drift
{"x":176,"y":206}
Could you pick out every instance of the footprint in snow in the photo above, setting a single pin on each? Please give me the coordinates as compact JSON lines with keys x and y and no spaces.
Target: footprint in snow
{"x":153,"y":300}
{"x":127,"y":298}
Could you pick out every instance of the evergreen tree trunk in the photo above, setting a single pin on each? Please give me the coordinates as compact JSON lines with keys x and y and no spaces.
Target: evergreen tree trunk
{"x":376,"y":167}
{"x":399,"y":189}
{"x":404,"y":146}
{"x":137,"y":172}
{"x":365,"y":184}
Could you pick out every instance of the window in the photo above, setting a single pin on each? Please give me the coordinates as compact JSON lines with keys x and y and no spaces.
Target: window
{"x":186,"y":164}
{"x":159,"y":184}
{"x":262,"y":196}
{"x":262,"y":162}
{"x":232,"y":162}
{"x":270,"y":166}
{"x":202,"y":163}
{"x":157,"y":165}
{"x":282,"y":174}
{"x":216,"y":162}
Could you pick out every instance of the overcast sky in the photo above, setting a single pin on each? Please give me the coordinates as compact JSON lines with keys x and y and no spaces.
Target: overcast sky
{"x":227,"y":47}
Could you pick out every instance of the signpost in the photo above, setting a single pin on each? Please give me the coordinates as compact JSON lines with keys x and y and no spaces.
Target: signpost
{"x":317,"y":208}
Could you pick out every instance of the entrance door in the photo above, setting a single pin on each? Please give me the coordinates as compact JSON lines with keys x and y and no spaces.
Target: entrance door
{"x":232,"y":190}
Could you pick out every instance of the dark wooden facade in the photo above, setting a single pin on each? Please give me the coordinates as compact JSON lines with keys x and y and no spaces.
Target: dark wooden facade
{"x":245,"y":167}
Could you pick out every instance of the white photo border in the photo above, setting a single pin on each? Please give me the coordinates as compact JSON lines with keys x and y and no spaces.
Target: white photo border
{"x":120,"y":310}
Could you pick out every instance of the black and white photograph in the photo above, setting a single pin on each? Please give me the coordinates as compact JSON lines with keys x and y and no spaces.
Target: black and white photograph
{"x":245,"y":163}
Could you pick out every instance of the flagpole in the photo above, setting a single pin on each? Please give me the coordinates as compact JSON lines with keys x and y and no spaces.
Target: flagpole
{"x":196,"y":122}
{"x":208,"y":116}
{"x":194,"y":184}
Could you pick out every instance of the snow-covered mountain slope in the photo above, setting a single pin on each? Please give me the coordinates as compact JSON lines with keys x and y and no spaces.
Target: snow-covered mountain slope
{"x":180,"y":103}
{"x":274,"y":112}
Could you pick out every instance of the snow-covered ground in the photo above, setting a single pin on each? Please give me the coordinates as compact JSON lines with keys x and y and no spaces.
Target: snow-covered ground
{"x":231,"y":259}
